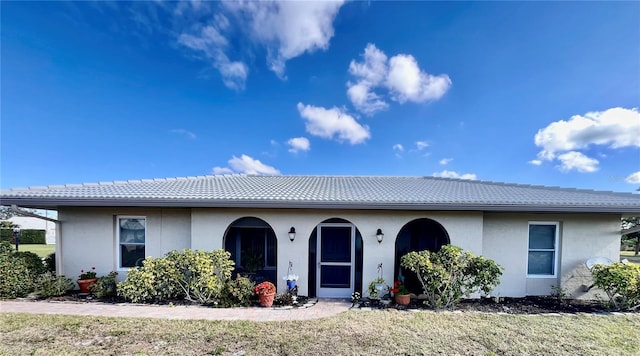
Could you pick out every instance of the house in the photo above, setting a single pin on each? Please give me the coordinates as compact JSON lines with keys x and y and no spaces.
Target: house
{"x":336,"y":230}
{"x":32,"y":223}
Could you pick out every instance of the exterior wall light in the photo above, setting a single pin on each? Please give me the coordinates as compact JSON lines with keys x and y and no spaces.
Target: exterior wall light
{"x":16,"y":235}
{"x":292,"y":234}
{"x":379,"y":235}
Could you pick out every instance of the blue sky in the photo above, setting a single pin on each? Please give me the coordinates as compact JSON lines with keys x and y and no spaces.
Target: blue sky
{"x":520,"y":92}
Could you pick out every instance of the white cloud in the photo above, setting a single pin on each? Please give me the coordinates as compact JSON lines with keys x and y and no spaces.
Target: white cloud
{"x":287,"y":29}
{"x":247,"y":165}
{"x":398,"y":147}
{"x":408,"y":83}
{"x":614,"y":128}
{"x":445,"y":161}
{"x":453,"y":174}
{"x":400,"y":76}
{"x":535,"y":162}
{"x":633,"y":178}
{"x":184,"y":132}
{"x":574,"y":160}
{"x":299,"y":144}
{"x":211,"y":43}
{"x":327,"y":123}
{"x":421,"y":145}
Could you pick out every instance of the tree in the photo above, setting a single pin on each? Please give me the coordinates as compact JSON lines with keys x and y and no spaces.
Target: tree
{"x":6,"y":213}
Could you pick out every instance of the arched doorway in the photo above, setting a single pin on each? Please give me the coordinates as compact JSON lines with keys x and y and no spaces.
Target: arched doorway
{"x":335,"y":259}
{"x":253,"y":246}
{"x":417,"y":235}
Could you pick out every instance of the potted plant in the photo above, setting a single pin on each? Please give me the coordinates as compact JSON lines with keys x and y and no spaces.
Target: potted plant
{"x":266,"y":291}
{"x":86,"y":280}
{"x":400,"y":293}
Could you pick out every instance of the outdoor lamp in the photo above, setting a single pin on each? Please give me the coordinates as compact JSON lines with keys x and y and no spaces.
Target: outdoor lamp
{"x":16,"y":236}
{"x":379,"y":235}
{"x":292,"y":234}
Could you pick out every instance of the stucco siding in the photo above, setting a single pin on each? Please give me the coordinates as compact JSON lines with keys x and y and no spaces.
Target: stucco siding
{"x":505,"y":242}
{"x":208,"y":228}
{"x":88,"y":236}
{"x":581,"y":236}
{"x":585,"y":237}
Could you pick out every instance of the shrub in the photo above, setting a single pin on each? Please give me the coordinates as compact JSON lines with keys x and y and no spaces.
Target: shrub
{"x":155,"y":281}
{"x":237,"y":293}
{"x":16,"y":279}
{"x":621,"y":282}
{"x":50,"y":262}
{"x":5,"y":248}
{"x":106,"y":286}
{"x":198,"y":276}
{"x":202,"y":275}
{"x":51,"y":285}
{"x":34,"y":263}
{"x":27,"y":236}
{"x":450,"y":274}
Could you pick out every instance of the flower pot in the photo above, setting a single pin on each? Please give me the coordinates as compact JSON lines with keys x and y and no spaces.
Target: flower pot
{"x":85,"y":284}
{"x":291,"y":284}
{"x":266,"y":300}
{"x":403,"y":299}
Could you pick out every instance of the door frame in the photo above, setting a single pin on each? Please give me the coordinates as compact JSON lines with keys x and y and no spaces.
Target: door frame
{"x":335,"y":292}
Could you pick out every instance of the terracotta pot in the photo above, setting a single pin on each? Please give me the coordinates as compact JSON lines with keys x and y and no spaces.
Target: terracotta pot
{"x":404,"y":299}
{"x":85,"y":284}
{"x":266,"y":300}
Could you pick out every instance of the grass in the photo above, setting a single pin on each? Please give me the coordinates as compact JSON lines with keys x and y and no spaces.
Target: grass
{"x":349,"y":333}
{"x":40,"y":250}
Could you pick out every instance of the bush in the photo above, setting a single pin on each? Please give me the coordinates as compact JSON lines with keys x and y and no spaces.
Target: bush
{"x":27,"y":236}
{"x":198,"y":276}
{"x":15,"y":277}
{"x":50,"y":262}
{"x":237,"y":293}
{"x":450,"y":274}
{"x":155,"y":281}
{"x":51,"y":285}
{"x":19,"y":271}
{"x":621,"y":282}
{"x":202,"y":275}
{"x":106,"y":286}
{"x":33,"y":262}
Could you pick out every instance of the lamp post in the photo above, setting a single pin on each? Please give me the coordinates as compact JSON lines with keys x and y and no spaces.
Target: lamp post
{"x":16,"y":236}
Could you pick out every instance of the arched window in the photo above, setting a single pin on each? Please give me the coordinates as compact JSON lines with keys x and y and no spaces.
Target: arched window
{"x":253,"y":246}
{"x":417,"y":235}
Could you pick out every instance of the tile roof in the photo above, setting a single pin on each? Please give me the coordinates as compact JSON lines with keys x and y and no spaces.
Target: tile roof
{"x":348,"y":192}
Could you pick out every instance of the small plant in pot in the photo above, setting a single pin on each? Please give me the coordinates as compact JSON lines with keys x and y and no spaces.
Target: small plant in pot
{"x":266,"y":291}
{"x":400,"y":293}
{"x":87,"y":279}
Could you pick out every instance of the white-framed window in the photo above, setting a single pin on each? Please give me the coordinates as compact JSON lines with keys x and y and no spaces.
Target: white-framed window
{"x":542,"y":259}
{"x":131,"y":233}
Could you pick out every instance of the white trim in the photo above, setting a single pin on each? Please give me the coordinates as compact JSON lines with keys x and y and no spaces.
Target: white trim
{"x":556,"y":248}
{"x":117,"y":227}
{"x":335,"y":292}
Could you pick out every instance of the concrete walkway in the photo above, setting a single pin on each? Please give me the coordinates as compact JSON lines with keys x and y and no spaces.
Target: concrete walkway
{"x":323,"y":308}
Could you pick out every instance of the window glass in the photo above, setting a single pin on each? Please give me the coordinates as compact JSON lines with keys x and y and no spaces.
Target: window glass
{"x":132,"y":236}
{"x":542,"y":249}
{"x":542,"y":236}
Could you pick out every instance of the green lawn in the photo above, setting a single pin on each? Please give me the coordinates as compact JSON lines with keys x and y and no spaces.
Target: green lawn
{"x":40,"y":250}
{"x":630,"y":256}
{"x":349,"y":333}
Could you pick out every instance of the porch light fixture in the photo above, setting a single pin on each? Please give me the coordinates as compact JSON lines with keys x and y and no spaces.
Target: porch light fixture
{"x":292,"y":234}
{"x":16,"y":235}
{"x":379,"y":235}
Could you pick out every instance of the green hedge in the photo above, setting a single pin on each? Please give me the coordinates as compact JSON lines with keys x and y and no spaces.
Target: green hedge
{"x":27,"y":236}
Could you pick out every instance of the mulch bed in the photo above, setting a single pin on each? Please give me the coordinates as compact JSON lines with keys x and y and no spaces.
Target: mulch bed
{"x":526,"y":305}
